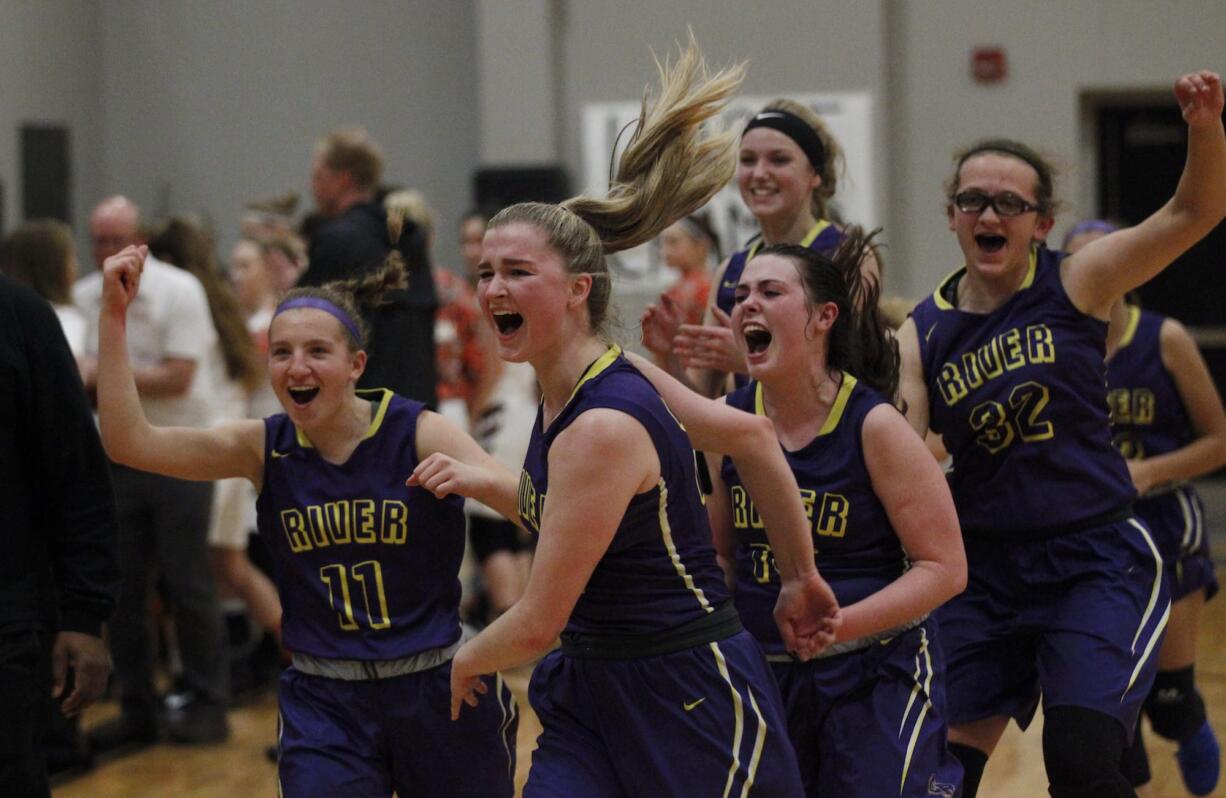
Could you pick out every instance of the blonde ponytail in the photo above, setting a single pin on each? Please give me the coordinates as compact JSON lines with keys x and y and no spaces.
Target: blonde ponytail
{"x":669,"y":170}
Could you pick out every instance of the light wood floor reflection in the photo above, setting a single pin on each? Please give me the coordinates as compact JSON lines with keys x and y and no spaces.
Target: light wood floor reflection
{"x":238,"y":768}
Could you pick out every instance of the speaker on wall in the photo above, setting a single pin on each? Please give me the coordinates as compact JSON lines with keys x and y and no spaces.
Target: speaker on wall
{"x":496,"y":188}
{"x":46,"y":172}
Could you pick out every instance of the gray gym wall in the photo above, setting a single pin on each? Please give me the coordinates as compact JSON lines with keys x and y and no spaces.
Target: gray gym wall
{"x":198,"y":106}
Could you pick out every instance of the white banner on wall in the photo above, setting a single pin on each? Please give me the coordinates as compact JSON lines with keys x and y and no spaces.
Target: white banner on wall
{"x":847,"y":114}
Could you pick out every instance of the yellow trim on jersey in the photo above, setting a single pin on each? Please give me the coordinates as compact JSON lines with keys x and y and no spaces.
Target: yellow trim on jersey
{"x":381,"y":395}
{"x":809,"y":238}
{"x":1031,"y":267}
{"x":812,"y":235}
{"x":1154,"y":592}
{"x":919,"y":721}
{"x":670,"y":546}
{"x":840,"y":404}
{"x":600,"y":364}
{"x":1130,"y":327}
{"x":836,"y":409}
{"x":938,"y":296}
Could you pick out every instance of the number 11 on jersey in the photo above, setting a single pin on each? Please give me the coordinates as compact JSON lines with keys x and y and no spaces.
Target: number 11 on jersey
{"x":368,"y":576}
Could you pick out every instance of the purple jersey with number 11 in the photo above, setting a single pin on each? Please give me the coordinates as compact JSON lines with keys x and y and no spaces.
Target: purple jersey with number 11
{"x":1020,"y":397}
{"x":366,"y":567}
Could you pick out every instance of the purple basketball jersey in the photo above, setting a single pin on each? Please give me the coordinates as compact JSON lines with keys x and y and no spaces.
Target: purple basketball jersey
{"x":1148,"y":418}
{"x":1147,"y":413}
{"x":1019,"y":395}
{"x":365,"y":566}
{"x":823,"y":237}
{"x":660,"y":569}
{"x":856,"y":548}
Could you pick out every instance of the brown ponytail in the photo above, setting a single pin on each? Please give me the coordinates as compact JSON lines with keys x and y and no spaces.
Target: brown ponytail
{"x":360,"y":294}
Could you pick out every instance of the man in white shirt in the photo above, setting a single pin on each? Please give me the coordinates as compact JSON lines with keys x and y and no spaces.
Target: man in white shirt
{"x":162,"y":521}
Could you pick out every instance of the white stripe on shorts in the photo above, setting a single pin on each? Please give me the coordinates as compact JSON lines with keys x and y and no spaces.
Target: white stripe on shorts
{"x":1154,"y":593}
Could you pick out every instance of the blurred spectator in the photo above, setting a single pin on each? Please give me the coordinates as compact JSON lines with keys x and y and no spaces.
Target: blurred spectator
{"x":351,"y":241}
{"x":463,"y":346}
{"x":41,"y":255}
{"x":59,"y":572}
{"x":163,"y":522}
{"x":691,"y":247}
{"x":237,"y":374}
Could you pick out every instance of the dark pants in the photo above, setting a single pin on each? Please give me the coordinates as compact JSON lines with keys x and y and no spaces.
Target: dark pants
{"x":163,"y":528}
{"x":25,"y":681}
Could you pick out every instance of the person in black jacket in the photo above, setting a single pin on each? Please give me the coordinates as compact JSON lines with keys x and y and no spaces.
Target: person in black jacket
{"x":59,"y":570}
{"x":352,"y":242}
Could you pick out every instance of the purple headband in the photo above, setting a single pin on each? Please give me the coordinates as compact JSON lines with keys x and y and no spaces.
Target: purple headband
{"x":319,"y":303}
{"x":1089,"y":226}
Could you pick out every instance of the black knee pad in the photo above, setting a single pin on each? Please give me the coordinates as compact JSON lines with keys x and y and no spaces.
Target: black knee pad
{"x":973,"y":762}
{"x":1082,"y":749}
{"x":1135,"y":763}
{"x":1174,"y":706}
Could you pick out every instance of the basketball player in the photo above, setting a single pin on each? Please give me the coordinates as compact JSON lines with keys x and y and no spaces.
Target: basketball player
{"x":788,"y":171}
{"x":1005,"y":361}
{"x":867,"y":718}
{"x":366,"y":568}
{"x":657,"y":689}
{"x":1167,"y":419}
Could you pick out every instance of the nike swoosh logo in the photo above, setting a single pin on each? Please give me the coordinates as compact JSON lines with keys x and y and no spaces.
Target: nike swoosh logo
{"x":276,"y":455}
{"x":729,"y":284}
{"x":691,"y":704}
{"x":931,"y":330}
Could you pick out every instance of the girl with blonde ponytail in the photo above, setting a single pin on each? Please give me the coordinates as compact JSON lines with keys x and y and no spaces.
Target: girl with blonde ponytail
{"x":366,"y":566}
{"x":656,"y":690}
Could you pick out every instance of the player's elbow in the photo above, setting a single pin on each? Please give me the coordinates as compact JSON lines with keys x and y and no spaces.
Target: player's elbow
{"x":757,"y":434}
{"x":541,"y":632}
{"x":117,"y":441}
{"x":952,"y":572}
{"x":956,"y":577}
{"x":1219,"y":449}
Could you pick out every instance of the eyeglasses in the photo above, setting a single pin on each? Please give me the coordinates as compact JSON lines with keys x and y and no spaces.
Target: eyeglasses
{"x":1006,"y":203}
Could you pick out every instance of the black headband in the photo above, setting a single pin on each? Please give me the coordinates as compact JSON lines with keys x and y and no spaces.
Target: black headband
{"x":795,"y":128}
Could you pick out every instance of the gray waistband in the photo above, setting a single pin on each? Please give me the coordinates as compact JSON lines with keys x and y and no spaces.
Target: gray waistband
{"x":361,"y":670}
{"x":848,"y":646}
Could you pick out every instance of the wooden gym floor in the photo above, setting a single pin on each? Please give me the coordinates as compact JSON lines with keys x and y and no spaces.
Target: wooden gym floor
{"x":238,"y":768}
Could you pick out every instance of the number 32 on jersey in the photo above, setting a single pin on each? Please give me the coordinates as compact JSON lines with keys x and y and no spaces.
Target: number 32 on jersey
{"x":1021,"y":420}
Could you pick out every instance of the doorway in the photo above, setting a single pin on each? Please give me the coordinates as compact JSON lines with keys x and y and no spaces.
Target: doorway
{"x":1141,"y":150}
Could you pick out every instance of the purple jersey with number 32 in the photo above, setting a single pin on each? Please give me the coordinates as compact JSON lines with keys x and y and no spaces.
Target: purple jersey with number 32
{"x":1020,"y":397}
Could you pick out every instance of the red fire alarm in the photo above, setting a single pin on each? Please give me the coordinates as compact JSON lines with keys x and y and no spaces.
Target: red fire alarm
{"x":988,"y":64}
